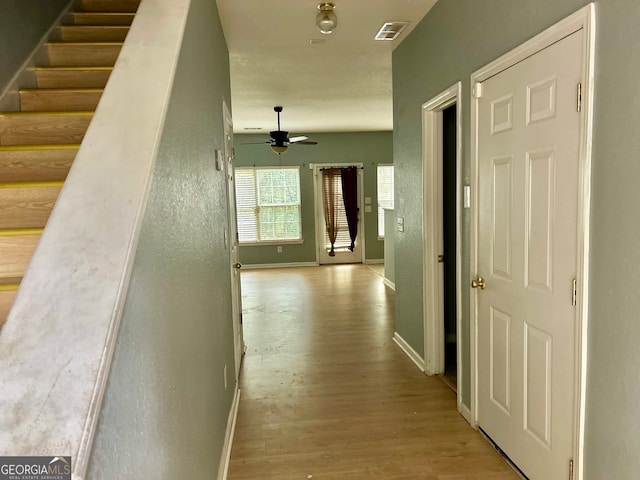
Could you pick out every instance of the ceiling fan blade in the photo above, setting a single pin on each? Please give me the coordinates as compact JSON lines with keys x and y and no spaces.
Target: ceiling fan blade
{"x":306,"y":142}
{"x":267,"y":142}
{"x":297,"y":139}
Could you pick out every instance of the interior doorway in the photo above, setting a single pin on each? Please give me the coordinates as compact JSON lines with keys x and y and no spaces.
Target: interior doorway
{"x":450,"y":276}
{"x":342,"y":248}
{"x":442,"y":241}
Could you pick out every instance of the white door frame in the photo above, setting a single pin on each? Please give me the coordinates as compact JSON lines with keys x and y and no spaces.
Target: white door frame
{"x":584,"y":19}
{"x":231,"y":240}
{"x":432,"y":159}
{"x":319,"y":212}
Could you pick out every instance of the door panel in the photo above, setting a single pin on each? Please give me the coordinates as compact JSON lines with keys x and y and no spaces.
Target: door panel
{"x":528,"y":139}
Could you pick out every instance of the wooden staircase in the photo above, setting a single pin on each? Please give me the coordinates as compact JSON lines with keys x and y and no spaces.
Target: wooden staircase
{"x":38,"y":143}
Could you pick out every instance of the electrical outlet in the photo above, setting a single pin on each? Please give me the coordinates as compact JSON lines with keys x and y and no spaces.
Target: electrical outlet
{"x":225,"y":377}
{"x":279,"y":249}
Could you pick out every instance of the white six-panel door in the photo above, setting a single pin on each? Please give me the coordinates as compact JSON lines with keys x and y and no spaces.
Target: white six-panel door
{"x":528,"y":179}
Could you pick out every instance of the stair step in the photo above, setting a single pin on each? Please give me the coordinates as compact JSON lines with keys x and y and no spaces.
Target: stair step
{"x":100,"y":33}
{"x":39,"y":128}
{"x":27,"y":205}
{"x":7,"y":296}
{"x":59,"y":99}
{"x":109,"y":5}
{"x":72,"y":77}
{"x":102,"y":18}
{"x":36,"y":163}
{"x":16,"y":250}
{"x":83,"y":54}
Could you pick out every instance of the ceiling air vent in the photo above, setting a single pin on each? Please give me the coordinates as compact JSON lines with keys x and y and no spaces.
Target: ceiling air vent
{"x":390,"y":30}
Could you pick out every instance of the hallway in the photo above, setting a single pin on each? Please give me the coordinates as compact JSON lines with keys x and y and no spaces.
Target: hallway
{"x":326,"y":393}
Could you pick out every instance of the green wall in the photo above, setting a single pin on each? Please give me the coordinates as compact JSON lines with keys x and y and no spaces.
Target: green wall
{"x":369,"y":148}
{"x":165,"y":408}
{"x":23,"y":23}
{"x":458,"y":37}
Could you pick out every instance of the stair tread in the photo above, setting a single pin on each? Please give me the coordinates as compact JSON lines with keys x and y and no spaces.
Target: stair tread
{"x":52,"y":146}
{"x":79,"y":113}
{"x":58,"y":99}
{"x":9,"y":283}
{"x":102,"y":18}
{"x":32,"y":184}
{"x":72,"y":68}
{"x":15,"y":255}
{"x":62,"y":90}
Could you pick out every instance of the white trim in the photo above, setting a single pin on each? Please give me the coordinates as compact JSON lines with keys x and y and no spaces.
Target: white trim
{"x":409,"y":351}
{"x":225,"y":456}
{"x":434,"y":336}
{"x":373,"y":261}
{"x":389,"y":284}
{"x":466,"y":413}
{"x":257,"y":266}
{"x":584,"y":19}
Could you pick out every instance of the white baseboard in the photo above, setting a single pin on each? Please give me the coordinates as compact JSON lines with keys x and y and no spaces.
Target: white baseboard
{"x":228,"y":439}
{"x":373,"y":261}
{"x":390,"y":284}
{"x":256,"y":266}
{"x":408,"y":349}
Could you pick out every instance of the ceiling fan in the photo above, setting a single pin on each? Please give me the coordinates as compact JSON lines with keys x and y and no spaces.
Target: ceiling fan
{"x":280,"y":140}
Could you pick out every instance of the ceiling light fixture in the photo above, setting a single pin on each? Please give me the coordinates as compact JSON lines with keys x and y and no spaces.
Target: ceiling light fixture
{"x":326,"y":20}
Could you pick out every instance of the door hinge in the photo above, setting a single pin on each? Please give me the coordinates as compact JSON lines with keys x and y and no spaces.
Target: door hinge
{"x":574,"y":293}
{"x":440,"y":258}
{"x":579,"y":97}
{"x":570,"y":469}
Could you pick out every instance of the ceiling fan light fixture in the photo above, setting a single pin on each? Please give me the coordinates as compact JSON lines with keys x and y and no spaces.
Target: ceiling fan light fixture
{"x":279,"y":148}
{"x":326,"y":20}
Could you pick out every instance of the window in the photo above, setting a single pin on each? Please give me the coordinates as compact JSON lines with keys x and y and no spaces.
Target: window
{"x":385,"y":194}
{"x":268,"y":204}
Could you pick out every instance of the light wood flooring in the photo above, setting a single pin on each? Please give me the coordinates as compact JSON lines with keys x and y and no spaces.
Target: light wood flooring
{"x":327,"y":394}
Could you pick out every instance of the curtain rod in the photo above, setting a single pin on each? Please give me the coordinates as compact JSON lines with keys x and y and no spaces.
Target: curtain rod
{"x":339,"y":168}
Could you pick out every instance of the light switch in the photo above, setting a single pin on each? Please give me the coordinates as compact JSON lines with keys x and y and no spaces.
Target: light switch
{"x":367,"y":200}
{"x":400,"y":222}
{"x":367,"y":209}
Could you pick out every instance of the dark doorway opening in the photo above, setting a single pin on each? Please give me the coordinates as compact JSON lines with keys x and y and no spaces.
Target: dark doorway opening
{"x":449,"y":218}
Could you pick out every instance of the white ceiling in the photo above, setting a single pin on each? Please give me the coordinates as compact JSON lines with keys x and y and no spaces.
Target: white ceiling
{"x":341,"y":85}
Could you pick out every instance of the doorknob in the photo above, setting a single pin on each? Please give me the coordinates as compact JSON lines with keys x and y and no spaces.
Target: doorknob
{"x":237,"y":265}
{"x":478,"y":283}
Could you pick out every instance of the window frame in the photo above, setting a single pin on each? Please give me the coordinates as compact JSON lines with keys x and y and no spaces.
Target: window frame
{"x":254,"y":170}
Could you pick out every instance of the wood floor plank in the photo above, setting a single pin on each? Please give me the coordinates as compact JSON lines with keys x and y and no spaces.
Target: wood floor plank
{"x":326,"y":393}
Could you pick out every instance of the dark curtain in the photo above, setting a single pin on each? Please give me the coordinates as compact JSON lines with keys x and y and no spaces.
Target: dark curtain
{"x":350,"y":198}
{"x":329,"y":198}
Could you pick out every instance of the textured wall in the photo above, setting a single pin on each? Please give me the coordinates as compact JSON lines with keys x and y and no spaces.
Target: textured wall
{"x":165,"y":409}
{"x":22,"y":25}
{"x":456,"y":38}
{"x":370,"y":148}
